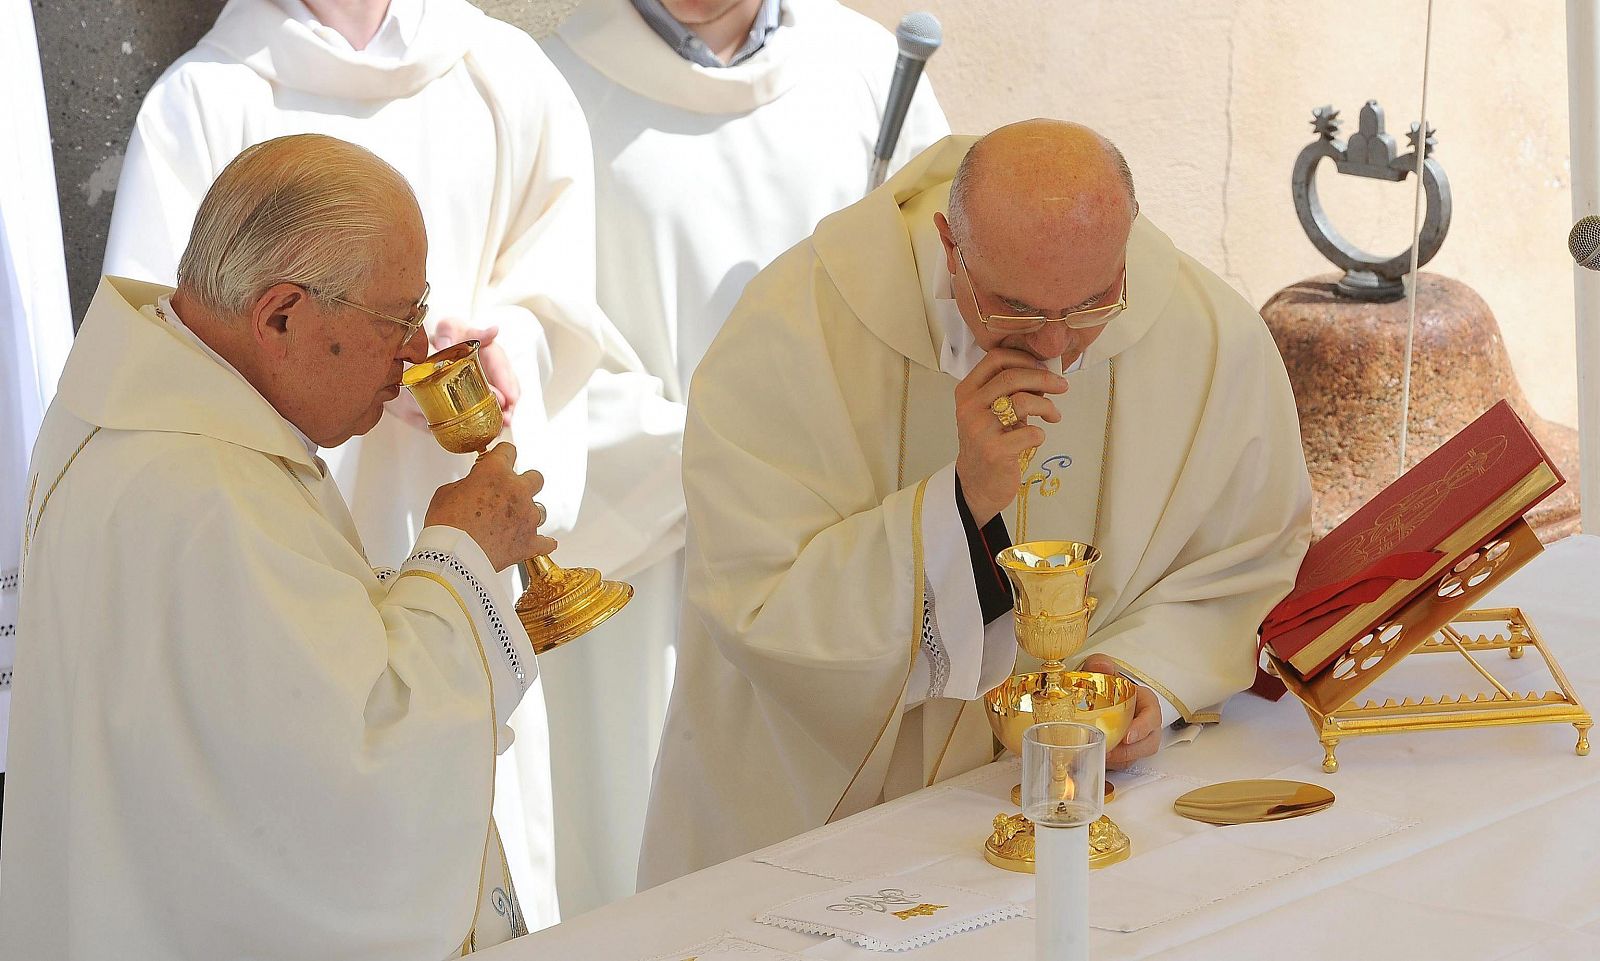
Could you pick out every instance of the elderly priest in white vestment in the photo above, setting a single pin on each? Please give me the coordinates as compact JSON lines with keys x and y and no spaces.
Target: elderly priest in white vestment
{"x":847,"y":476}
{"x":232,"y":736}
{"x":491,"y":139}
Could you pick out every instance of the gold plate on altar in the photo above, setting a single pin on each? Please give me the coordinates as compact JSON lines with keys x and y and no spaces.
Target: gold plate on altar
{"x":1248,"y":802}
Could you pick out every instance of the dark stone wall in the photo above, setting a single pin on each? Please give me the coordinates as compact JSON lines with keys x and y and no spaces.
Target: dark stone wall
{"x":99,"y":58}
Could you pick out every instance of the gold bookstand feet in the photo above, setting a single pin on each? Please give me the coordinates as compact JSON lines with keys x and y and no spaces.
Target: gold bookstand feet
{"x":563,"y":603}
{"x":1011,"y":845}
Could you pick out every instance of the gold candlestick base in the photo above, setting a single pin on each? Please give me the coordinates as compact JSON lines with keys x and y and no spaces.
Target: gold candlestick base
{"x":1011,"y":845}
{"x":563,"y":603}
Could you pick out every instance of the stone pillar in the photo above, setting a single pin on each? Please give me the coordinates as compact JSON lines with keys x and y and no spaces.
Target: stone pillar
{"x":1344,"y":358}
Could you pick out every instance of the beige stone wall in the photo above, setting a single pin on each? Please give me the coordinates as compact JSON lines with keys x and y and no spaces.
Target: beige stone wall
{"x":1210,"y":100}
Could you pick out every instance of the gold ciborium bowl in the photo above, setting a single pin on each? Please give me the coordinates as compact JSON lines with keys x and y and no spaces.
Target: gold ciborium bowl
{"x":1104,"y":700}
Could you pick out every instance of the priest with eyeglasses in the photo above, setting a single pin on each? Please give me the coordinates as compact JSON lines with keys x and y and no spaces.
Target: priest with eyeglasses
{"x":853,"y":456}
{"x":233,"y":735}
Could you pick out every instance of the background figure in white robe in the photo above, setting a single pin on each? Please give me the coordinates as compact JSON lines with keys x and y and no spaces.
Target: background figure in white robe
{"x":723,"y":132}
{"x":250,"y":743}
{"x":470,"y":110}
{"x":846,"y":476}
{"x":35,"y":319}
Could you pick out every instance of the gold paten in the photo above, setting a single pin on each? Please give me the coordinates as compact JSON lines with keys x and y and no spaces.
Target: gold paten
{"x":1248,"y":802}
{"x":1439,"y":622}
{"x":1052,"y":608}
{"x":464,"y":417}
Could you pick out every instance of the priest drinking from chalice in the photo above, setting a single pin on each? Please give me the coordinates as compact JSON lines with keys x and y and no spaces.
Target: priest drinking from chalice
{"x":231,"y":736}
{"x":996,"y":318}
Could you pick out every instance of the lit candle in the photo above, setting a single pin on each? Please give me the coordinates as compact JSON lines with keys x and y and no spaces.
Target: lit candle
{"x":1063,"y":779}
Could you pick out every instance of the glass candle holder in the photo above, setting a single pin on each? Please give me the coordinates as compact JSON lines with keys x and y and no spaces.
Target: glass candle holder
{"x":1063,"y":790}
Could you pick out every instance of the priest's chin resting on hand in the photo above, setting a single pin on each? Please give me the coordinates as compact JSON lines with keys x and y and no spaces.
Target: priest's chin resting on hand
{"x":230,"y":735}
{"x":853,"y":448}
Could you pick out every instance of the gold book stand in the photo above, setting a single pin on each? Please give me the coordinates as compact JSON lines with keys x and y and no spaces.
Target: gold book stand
{"x":1435,"y":622}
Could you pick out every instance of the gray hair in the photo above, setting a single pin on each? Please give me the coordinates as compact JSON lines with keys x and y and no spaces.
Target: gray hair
{"x":304,"y":209}
{"x":961,"y":187}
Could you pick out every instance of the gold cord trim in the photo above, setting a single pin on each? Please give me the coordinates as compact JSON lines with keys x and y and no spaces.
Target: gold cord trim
{"x":494,"y":742}
{"x":29,"y":531}
{"x":947,"y":742}
{"x":1161,"y":689}
{"x":905,"y":414}
{"x":919,"y":599}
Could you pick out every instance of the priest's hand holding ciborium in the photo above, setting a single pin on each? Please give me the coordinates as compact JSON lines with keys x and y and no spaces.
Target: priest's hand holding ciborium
{"x":464,"y":416}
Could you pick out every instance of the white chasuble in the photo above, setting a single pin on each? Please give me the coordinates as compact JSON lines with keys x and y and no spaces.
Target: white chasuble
{"x":246,"y":742}
{"x":818,"y":538}
{"x":496,"y":149}
{"x":702,"y":177}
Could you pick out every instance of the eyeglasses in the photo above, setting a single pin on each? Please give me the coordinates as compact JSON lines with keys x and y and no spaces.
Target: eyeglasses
{"x":1084,"y":319}
{"x":412,"y":321}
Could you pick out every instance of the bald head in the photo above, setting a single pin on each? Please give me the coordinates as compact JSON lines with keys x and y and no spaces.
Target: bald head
{"x":1038,"y":179}
{"x":1040,"y":214}
{"x":307,"y":208}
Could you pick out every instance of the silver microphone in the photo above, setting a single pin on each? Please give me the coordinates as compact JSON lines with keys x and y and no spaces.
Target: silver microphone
{"x":1584,"y":242}
{"x":919,"y":36}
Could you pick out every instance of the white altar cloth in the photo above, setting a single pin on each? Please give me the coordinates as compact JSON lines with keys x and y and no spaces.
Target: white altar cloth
{"x":1495,"y":855}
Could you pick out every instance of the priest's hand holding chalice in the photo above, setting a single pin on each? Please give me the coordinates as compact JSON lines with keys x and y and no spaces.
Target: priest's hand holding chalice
{"x":464,"y":416}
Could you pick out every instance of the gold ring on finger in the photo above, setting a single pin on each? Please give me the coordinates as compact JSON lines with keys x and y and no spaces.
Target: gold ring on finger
{"x":1004,"y":410}
{"x":543,"y":514}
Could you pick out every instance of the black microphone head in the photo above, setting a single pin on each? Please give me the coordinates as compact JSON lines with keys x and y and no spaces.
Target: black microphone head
{"x":1584,"y":242}
{"x":919,"y":35}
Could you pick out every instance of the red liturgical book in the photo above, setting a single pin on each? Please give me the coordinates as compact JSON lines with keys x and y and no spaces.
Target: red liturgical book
{"x":1394,"y":547}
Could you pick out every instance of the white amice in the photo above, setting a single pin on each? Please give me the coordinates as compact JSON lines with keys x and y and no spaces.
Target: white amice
{"x":702,"y":175}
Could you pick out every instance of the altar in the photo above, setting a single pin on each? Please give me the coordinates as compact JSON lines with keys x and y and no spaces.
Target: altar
{"x":1476,"y":845}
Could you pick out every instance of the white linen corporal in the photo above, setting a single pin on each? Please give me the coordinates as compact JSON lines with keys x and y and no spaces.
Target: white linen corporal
{"x":496,"y":149}
{"x":702,"y":176}
{"x":819,"y":425}
{"x":250,"y":743}
{"x":35,"y":318}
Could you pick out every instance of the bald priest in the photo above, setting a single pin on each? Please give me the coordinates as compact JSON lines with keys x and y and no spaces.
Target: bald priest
{"x":231,"y":737}
{"x":852,"y":448}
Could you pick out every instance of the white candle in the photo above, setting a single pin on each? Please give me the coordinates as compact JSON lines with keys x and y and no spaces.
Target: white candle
{"x":1061,"y":893}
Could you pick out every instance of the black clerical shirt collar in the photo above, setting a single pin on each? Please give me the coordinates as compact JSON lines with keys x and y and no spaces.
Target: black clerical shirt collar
{"x":691,"y":48}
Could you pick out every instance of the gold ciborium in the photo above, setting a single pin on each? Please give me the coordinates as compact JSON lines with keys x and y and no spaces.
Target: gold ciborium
{"x":464,"y":417}
{"x":1052,"y":611}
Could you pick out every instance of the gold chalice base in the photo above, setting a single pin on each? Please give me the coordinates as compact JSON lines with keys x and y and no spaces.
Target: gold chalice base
{"x":1010,"y":847}
{"x":562,"y":603}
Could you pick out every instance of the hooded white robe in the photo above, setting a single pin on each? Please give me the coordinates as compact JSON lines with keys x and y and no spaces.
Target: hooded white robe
{"x":702,"y":176}
{"x":818,"y":675}
{"x":35,"y":319}
{"x":232,"y":737}
{"x":497,"y":152}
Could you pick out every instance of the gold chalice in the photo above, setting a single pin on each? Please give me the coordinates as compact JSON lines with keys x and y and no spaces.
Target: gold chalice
{"x":464,"y":417}
{"x":1052,"y":611}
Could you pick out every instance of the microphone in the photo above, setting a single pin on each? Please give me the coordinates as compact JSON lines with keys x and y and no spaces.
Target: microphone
{"x":919,"y":35}
{"x":1584,"y":242}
